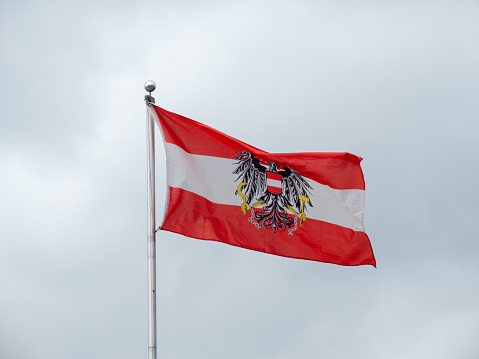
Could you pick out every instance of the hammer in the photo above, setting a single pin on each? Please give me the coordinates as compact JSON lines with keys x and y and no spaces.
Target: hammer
{"x":302,"y":215}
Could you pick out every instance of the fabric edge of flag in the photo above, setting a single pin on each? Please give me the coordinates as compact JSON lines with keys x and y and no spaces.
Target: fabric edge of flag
{"x":200,"y":124}
{"x":372,"y":263}
{"x":167,"y":194}
{"x":344,"y":155}
{"x":155,"y":111}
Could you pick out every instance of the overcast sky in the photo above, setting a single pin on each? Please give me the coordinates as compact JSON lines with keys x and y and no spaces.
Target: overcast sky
{"x":395,"y":82}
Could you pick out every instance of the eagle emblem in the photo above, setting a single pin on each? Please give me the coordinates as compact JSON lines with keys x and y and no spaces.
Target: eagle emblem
{"x":279,"y":193}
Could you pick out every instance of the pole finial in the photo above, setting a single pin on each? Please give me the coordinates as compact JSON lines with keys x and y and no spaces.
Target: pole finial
{"x":150,"y":86}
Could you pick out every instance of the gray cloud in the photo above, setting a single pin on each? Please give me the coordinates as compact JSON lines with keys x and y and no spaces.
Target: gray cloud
{"x":395,"y":83}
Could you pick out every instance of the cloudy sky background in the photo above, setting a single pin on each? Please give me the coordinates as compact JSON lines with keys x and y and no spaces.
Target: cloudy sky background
{"x":393,"y":82}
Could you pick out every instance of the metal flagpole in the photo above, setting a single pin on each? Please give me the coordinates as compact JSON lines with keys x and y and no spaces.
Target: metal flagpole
{"x":150,"y":87}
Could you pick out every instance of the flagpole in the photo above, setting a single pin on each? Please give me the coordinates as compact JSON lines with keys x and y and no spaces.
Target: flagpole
{"x":150,"y":87}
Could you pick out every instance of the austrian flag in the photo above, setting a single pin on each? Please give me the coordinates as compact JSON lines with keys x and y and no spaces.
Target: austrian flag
{"x":298,"y":205}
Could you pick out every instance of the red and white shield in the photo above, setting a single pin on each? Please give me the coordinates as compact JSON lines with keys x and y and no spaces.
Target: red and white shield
{"x":273,"y":182}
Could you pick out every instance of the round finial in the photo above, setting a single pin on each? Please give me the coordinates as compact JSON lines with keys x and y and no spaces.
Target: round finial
{"x":150,"y":86}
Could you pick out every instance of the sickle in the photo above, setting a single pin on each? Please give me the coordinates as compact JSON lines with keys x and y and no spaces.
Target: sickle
{"x":244,"y":206}
{"x":239,"y":189}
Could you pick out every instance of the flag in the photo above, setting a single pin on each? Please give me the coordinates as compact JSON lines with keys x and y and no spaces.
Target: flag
{"x":298,"y":205}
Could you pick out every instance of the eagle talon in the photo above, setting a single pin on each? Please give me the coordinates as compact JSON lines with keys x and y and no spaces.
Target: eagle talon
{"x":302,"y":217}
{"x":245,"y":207}
{"x":259,"y":203}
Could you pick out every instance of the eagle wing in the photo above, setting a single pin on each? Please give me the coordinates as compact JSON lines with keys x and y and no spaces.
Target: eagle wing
{"x":250,"y":171}
{"x":295,"y":185}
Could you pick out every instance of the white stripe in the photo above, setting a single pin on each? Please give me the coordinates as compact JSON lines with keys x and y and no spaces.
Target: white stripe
{"x":273,"y":183}
{"x":213,"y":178}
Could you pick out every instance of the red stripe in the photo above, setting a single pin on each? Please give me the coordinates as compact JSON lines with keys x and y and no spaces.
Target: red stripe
{"x":274,"y":190}
{"x":337,"y":170}
{"x":194,"y":216}
{"x":273,"y":176}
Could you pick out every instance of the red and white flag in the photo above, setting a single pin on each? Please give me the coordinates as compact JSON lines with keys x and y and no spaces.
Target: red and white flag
{"x":298,"y":205}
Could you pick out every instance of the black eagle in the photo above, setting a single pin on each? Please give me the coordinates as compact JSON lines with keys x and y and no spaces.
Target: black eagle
{"x":295,"y":192}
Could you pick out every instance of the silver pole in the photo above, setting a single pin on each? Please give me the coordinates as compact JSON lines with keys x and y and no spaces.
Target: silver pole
{"x":150,"y":87}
